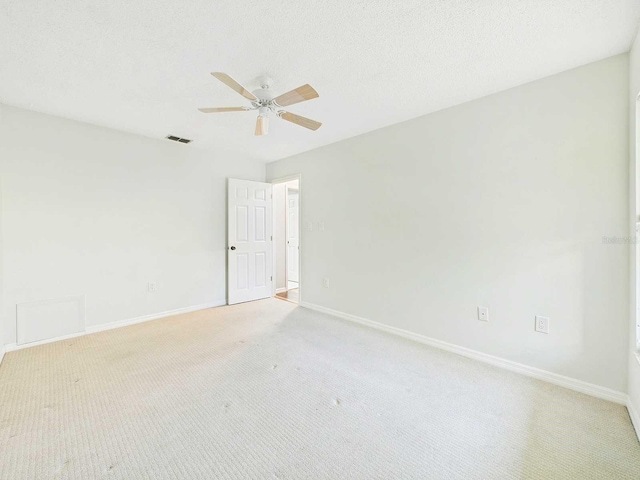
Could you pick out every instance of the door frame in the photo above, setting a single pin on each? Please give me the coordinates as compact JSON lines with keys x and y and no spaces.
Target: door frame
{"x":275,"y":181}
{"x":287,"y":208}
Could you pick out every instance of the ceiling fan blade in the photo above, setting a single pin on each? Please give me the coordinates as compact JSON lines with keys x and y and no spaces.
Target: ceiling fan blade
{"x":300,"y":94}
{"x":262,"y":125}
{"x":224,"y":109}
{"x":230,"y":82}
{"x":298,"y":120}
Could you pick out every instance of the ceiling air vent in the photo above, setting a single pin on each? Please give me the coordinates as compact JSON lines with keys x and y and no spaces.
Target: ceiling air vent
{"x":178,"y":139}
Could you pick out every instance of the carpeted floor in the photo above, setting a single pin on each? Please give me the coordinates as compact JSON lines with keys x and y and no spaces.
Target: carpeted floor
{"x":266,"y":390}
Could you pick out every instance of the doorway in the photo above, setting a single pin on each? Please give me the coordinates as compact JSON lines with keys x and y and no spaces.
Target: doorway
{"x":286,"y":238}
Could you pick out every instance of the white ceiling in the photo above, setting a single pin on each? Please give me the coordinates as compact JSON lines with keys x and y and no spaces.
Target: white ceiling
{"x":143,"y":66}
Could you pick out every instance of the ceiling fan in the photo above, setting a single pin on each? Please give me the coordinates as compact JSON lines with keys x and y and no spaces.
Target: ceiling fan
{"x":267,"y":104}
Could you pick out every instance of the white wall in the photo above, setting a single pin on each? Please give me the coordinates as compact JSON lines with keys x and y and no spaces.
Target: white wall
{"x":634,"y":211}
{"x":2,"y":320}
{"x":100,"y":213}
{"x":500,"y":202}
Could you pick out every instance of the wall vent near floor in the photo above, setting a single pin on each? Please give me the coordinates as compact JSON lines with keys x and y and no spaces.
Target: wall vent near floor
{"x":178,"y":139}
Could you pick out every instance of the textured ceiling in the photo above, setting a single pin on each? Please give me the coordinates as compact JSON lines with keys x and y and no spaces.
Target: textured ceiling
{"x":143,"y":66}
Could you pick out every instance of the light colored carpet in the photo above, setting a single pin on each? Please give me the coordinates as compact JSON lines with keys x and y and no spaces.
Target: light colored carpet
{"x":267,"y":390}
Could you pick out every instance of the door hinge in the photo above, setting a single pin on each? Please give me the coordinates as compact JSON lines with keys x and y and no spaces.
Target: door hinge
{"x":272,"y":278}
{"x":272,"y":238}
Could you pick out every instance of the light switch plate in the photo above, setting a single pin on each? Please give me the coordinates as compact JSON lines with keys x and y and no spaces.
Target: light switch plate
{"x":483,"y":314}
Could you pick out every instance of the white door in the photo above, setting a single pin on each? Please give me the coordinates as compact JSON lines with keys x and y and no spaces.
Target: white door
{"x":293,"y":236}
{"x":250,"y":243}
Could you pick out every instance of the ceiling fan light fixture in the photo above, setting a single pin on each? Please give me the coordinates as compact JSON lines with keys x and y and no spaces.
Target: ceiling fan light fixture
{"x":262,"y":125}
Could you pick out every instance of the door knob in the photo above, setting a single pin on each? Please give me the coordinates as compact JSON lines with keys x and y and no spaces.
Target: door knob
{"x":232,"y":247}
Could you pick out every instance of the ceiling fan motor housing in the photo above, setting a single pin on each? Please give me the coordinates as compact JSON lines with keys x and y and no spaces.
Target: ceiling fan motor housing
{"x":264,"y":94}
{"x":265,"y":103}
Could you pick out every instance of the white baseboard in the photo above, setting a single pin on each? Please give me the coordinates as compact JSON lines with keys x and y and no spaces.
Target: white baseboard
{"x":118,"y":324}
{"x":153,"y":316}
{"x":635,"y":417}
{"x":567,"y":382}
{"x":10,"y":347}
{"x":280,"y":290}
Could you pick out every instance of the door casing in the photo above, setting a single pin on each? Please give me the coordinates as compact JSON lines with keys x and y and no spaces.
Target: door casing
{"x":301,"y":232}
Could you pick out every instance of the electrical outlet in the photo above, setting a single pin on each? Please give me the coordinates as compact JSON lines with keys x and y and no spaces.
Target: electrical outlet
{"x":325,"y":282}
{"x":321,"y":226}
{"x":542,"y":324}
{"x":152,"y":286}
{"x":483,"y":314}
